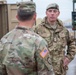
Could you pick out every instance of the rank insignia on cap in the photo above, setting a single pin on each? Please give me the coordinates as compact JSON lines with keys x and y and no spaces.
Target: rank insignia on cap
{"x":44,"y":53}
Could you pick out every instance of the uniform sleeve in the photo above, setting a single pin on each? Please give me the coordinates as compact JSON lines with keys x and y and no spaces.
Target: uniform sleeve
{"x":1,"y":56}
{"x":71,"y":46}
{"x":43,"y":60}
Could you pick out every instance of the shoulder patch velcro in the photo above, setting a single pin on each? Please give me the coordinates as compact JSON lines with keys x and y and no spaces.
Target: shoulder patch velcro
{"x":43,"y":53}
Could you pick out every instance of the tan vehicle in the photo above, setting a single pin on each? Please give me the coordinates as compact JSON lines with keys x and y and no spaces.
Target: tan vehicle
{"x":7,"y":17}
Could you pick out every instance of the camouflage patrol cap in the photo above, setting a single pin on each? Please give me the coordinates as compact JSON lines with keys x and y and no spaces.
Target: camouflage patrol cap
{"x":28,"y":6}
{"x":52,"y":5}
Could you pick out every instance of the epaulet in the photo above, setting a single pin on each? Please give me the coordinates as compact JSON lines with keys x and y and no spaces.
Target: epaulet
{"x":61,"y":23}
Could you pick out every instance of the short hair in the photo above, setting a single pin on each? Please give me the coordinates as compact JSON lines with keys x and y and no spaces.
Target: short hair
{"x":23,"y":16}
{"x":26,"y":10}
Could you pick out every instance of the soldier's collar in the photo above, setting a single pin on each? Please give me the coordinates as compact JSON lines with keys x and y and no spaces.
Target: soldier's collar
{"x":48,"y":25}
{"x":23,"y":28}
{"x":59,"y":24}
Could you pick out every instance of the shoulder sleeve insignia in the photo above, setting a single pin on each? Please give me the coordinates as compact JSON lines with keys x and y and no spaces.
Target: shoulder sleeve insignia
{"x":43,"y":53}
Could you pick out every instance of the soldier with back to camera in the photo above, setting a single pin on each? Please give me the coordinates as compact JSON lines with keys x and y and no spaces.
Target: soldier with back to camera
{"x":23,"y":52}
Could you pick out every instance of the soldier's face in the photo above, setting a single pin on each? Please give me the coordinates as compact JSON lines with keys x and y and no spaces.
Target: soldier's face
{"x":52,"y":14}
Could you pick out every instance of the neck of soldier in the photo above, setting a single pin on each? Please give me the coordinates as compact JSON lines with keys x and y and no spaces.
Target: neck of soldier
{"x":27,"y":24}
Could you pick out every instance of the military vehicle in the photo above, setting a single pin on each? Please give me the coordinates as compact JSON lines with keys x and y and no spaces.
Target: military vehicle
{"x":7,"y":17}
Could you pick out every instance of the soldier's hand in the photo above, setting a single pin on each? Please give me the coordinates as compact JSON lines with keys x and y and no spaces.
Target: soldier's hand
{"x":65,"y":62}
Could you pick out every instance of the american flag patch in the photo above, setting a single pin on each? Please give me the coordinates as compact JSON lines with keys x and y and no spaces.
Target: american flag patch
{"x":44,"y":53}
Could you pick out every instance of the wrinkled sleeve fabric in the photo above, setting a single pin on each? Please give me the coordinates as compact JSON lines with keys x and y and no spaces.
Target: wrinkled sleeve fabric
{"x":1,"y":57}
{"x":71,"y":51}
{"x":43,"y":60}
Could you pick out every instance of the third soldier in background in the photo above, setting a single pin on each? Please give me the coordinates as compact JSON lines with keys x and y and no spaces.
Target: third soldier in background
{"x":59,"y":39}
{"x":23,"y":52}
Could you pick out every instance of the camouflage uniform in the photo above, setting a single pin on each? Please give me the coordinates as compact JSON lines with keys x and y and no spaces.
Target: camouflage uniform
{"x":59,"y":40}
{"x":23,"y":52}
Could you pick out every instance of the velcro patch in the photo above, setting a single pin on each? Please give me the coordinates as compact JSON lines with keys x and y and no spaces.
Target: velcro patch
{"x":44,"y":53}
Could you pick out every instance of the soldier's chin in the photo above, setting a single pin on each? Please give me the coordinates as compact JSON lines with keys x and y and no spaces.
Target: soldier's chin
{"x":52,"y":20}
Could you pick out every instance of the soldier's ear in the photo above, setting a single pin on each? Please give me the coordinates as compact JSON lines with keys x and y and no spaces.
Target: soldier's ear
{"x":17,"y":16}
{"x":58,"y":13}
{"x":46,"y":12}
{"x":34,"y":17}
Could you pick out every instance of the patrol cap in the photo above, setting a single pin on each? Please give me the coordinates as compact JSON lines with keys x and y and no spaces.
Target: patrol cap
{"x":52,"y":5}
{"x":27,"y":6}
